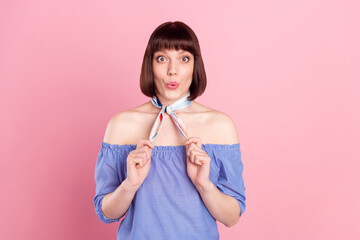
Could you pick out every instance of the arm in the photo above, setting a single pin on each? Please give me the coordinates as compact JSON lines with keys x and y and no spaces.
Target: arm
{"x":115,"y":204}
{"x":221,"y":206}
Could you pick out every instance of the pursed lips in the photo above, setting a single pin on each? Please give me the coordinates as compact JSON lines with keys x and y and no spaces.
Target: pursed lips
{"x":172,"y":83}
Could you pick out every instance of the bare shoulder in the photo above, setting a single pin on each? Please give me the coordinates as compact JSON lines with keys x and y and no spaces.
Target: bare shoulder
{"x":118,"y":126}
{"x":123,"y":126}
{"x":222,"y":126}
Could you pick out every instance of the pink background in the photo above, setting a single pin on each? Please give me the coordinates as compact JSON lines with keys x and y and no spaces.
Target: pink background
{"x":287,"y":72}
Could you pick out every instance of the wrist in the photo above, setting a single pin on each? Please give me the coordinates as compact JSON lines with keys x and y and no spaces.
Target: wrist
{"x":205,"y":187}
{"x":129,"y":187}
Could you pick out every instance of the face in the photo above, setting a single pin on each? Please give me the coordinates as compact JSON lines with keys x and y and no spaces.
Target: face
{"x":173,"y":71}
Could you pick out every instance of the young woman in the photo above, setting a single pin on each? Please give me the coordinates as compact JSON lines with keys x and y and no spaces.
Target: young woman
{"x":172,"y":165}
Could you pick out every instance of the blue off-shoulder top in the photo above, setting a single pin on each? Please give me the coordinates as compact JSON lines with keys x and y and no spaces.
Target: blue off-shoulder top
{"x":167,"y":204}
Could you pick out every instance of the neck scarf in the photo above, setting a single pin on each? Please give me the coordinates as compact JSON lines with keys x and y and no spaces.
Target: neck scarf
{"x":182,"y":103}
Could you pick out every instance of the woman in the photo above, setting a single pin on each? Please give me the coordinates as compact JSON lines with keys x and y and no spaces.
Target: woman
{"x":172,"y":165}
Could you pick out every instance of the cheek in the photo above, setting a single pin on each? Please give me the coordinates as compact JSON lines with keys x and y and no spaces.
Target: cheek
{"x":154,"y":70}
{"x":158,"y":71}
{"x":189,"y":72}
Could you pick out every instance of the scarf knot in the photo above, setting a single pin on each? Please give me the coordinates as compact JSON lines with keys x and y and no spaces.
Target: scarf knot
{"x":182,"y":103}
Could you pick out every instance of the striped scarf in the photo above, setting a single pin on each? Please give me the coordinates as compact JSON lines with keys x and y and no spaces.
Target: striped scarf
{"x":182,"y":103}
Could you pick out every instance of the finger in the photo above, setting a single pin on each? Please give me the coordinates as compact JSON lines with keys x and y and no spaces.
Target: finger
{"x":193,"y":147}
{"x":189,"y":148}
{"x":192,"y":140}
{"x":195,"y":140}
{"x":140,"y":158}
{"x":194,"y":156}
{"x":137,"y":162}
{"x":148,"y":151}
{"x":204,"y":159}
{"x":195,"y":160}
{"x":189,"y":156}
{"x":145,"y":149}
{"x":145,"y":142}
{"x":200,"y":159}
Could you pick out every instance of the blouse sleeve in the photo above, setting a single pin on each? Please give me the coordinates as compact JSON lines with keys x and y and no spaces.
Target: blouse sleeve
{"x":108,"y":176}
{"x":230,"y":180}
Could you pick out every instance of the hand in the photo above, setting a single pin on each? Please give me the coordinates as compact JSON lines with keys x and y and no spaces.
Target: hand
{"x":197,"y":164}
{"x":138,"y":163}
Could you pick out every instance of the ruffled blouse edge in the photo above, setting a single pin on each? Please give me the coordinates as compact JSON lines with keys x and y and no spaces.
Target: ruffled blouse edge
{"x":207,"y":146}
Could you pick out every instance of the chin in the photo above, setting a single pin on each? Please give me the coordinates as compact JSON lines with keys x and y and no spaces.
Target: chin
{"x":173,"y":94}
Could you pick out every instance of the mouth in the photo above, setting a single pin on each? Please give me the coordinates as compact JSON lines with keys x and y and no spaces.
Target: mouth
{"x":172,"y":85}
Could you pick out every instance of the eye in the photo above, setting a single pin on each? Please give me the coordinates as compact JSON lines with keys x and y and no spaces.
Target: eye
{"x":160,"y":58}
{"x":185,"y":59}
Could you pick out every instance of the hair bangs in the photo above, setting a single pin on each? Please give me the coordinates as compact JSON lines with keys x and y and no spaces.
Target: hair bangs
{"x":177,"y":39}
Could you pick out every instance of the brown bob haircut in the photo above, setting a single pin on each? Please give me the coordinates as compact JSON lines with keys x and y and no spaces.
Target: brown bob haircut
{"x":173,"y":35}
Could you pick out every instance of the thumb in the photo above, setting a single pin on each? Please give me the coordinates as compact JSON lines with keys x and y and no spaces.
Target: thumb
{"x":142,"y":143}
{"x":194,"y":140}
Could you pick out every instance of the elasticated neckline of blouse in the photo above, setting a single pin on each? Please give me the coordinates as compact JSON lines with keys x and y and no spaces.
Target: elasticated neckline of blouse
{"x":207,"y":146}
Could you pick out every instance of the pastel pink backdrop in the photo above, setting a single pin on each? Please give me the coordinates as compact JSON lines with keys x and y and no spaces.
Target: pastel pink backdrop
{"x":287,"y":72}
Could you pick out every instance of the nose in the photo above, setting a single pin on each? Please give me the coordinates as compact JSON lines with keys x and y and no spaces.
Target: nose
{"x":172,"y":69}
